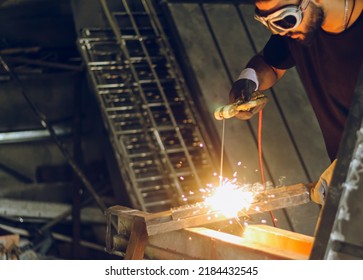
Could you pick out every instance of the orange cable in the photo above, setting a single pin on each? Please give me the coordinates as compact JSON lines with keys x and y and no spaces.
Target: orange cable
{"x":260,"y":160}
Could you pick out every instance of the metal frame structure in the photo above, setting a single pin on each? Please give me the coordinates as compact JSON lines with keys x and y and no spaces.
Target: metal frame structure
{"x":152,"y":122}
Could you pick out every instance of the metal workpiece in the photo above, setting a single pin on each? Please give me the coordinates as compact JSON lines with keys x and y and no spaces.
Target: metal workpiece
{"x":153,"y":125}
{"x":198,"y":214}
{"x":180,"y":232}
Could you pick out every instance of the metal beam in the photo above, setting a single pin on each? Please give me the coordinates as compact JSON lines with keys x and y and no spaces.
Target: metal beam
{"x":32,"y":135}
{"x":195,"y":215}
{"x":45,"y":210}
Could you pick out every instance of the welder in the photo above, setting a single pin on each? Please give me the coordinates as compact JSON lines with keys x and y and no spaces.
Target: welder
{"x":323,"y":39}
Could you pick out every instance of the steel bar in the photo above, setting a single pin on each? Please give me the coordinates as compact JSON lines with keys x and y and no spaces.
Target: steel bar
{"x":45,"y":210}
{"x":196,"y":215}
{"x":38,"y":62}
{"x":32,"y":135}
{"x":16,"y":174}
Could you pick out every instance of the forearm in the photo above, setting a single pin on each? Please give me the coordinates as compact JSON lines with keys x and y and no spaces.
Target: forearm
{"x":267,"y":75}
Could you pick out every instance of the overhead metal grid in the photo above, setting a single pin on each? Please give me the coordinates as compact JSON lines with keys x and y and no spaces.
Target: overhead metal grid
{"x":151,"y":119}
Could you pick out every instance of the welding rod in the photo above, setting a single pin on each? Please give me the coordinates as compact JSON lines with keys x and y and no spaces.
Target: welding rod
{"x":230,"y":110}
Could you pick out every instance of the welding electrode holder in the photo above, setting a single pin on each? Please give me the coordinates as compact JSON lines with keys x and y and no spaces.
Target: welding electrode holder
{"x":230,"y":110}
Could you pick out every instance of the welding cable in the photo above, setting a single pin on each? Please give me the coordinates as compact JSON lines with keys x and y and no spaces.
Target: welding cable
{"x":44,"y":122}
{"x":260,"y":160}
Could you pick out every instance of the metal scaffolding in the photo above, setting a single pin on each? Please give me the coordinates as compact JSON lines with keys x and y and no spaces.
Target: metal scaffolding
{"x":152,"y":122}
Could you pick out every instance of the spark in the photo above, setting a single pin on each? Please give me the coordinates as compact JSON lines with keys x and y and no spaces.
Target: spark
{"x":229,"y":199}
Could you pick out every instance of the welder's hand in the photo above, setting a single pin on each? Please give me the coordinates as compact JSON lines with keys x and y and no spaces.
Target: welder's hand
{"x":242,"y":90}
{"x":319,"y":191}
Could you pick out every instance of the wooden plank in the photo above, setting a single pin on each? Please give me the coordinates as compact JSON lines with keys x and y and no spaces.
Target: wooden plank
{"x":9,"y":241}
{"x":8,"y":247}
{"x":137,"y":242}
